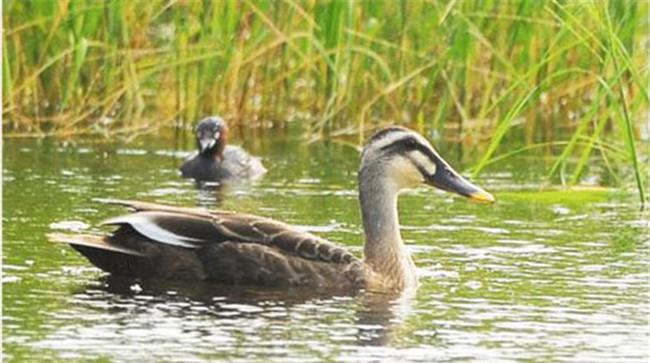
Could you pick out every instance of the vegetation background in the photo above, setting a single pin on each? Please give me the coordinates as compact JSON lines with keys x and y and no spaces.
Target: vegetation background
{"x":499,"y":77}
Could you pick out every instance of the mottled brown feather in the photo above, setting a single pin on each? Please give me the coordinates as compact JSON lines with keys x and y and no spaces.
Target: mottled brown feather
{"x":224,"y":246}
{"x":244,"y":228}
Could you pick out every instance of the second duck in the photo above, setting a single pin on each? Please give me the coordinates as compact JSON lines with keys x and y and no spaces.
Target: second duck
{"x":217,"y":161}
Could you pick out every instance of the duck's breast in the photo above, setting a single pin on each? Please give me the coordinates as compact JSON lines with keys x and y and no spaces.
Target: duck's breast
{"x":204,"y":169}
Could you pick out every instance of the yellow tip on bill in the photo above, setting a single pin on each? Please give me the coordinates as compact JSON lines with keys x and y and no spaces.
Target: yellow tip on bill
{"x":482,"y":197}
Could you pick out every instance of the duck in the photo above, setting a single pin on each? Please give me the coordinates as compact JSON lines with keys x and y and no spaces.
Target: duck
{"x":217,"y":161}
{"x":157,"y":241}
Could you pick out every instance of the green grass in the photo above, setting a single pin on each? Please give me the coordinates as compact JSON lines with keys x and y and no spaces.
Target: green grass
{"x":496,"y":76}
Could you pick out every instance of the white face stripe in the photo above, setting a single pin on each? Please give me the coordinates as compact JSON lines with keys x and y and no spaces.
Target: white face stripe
{"x":390,"y":138}
{"x":423,"y":162}
{"x":397,"y":135}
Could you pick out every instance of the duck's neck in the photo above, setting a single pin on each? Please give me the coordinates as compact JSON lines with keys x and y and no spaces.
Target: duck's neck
{"x":215,"y":153}
{"x":384,"y":251}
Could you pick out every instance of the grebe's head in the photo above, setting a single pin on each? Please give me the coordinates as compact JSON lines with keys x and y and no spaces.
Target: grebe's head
{"x":211,"y":135}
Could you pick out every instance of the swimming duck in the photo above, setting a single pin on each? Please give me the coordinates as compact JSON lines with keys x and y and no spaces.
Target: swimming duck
{"x":166,"y":242}
{"x":217,"y":161}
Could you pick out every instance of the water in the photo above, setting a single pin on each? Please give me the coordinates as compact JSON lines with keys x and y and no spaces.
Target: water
{"x":540,"y":276}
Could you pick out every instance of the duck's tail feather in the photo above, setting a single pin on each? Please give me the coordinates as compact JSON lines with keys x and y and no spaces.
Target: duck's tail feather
{"x":91,"y":241}
{"x":112,"y":258}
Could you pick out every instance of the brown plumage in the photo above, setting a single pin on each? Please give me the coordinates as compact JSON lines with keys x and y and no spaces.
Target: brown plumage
{"x":159,"y":241}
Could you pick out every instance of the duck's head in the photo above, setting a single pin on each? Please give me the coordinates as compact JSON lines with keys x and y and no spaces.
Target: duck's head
{"x":211,"y":135}
{"x":405,"y":159}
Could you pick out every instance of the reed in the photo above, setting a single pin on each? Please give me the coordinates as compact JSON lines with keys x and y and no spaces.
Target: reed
{"x":496,"y":76}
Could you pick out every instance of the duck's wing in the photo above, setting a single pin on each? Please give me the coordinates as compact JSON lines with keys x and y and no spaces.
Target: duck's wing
{"x":194,"y":228}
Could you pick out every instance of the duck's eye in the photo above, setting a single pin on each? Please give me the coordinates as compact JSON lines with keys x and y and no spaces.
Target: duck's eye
{"x":410,"y":143}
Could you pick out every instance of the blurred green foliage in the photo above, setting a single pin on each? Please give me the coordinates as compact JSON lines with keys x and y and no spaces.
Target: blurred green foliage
{"x":566,"y":77}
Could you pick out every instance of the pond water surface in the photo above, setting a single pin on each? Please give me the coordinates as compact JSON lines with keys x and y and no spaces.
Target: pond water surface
{"x":539,"y":276}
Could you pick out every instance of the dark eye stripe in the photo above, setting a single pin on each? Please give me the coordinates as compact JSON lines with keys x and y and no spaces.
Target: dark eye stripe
{"x":408,"y":144}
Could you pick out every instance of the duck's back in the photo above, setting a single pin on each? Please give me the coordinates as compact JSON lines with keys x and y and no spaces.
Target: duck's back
{"x":241,"y":164}
{"x":191,"y":244}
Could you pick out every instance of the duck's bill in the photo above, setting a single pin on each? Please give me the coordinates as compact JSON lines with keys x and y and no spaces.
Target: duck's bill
{"x":206,"y":143}
{"x":448,"y":180}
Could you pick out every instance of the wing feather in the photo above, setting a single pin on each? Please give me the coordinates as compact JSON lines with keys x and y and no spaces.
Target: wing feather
{"x":145,"y":227}
{"x":195,"y":228}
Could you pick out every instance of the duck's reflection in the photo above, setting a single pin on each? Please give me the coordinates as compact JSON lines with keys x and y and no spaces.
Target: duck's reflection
{"x":369,"y":318}
{"x":379,"y":315}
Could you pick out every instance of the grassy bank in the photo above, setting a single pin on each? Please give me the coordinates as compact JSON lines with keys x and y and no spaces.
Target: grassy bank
{"x":501,"y":77}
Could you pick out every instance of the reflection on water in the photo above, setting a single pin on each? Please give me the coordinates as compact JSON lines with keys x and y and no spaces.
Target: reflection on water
{"x":538,"y":277}
{"x":211,"y":321}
